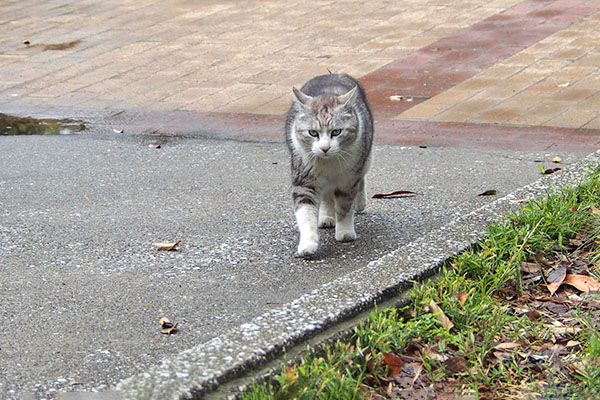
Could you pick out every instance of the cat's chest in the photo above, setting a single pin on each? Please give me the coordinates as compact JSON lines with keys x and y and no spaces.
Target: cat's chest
{"x":332,"y":173}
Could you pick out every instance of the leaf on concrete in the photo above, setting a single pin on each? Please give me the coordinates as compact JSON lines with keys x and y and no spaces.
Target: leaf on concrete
{"x":166,"y":326}
{"x":557,"y":160}
{"x":439,"y":314}
{"x":584,"y":283}
{"x":491,"y":192}
{"x":551,"y":171}
{"x":394,"y":195}
{"x":166,"y":246}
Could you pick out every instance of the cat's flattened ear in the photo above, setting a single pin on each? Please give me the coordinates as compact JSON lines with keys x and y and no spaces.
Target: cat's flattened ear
{"x":301,"y":97}
{"x":349,"y":97}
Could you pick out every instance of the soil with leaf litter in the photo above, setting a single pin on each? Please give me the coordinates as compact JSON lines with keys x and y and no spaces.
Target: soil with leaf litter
{"x":552,"y":287}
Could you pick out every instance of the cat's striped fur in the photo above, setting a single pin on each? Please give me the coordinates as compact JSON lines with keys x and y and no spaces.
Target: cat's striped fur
{"x":329,"y":131}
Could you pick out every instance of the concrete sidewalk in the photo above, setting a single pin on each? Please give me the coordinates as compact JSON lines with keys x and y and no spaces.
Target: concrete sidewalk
{"x":468,"y":96}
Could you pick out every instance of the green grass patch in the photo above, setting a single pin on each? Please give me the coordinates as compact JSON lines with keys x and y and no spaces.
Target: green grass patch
{"x":515,"y":317}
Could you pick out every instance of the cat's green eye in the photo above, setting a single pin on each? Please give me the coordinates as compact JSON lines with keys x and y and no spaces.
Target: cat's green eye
{"x":336,"y":132}
{"x":313,"y":132}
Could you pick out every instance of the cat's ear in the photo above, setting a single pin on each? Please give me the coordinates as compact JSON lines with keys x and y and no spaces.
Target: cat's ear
{"x":301,"y":97}
{"x":349,"y":97}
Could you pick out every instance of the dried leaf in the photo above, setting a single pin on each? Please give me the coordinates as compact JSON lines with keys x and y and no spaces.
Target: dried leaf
{"x":584,"y":283}
{"x":557,"y":160}
{"x":456,"y":364}
{"x":166,"y":246}
{"x":561,"y":330}
{"x":507,"y":346}
{"x":534,"y":315}
{"x":555,"y":279}
{"x":490,"y":192}
{"x":394,"y":195}
{"x":529,"y":267}
{"x":166,"y":326}
{"x":394,"y":363}
{"x":439,"y":314}
{"x":520,"y":201}
{"x":462,"y":297}
{"x":551,"y":171}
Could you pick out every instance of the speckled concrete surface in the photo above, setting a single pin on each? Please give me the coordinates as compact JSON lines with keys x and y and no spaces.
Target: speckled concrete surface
{"x":83,"y":288}
{"x":200,"y":368}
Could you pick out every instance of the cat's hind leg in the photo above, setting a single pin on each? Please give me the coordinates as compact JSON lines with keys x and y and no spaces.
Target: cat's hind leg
{"x":327,"y":211}
{"x":361,"y":197}
{"x":344,"y":216}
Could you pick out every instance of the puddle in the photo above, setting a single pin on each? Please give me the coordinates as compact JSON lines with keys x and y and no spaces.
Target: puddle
{"x":11,"y":125}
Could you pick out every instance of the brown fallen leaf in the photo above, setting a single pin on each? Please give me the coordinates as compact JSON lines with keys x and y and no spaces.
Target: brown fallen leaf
{"x":462,"y":297}
{"x":534,"y":315}
{"x":557,"y":160}
{"x":584,"y":283}
{"x":551,"y":170}
{"x":166,"y":246}
{"x":507,"y":346}
{"x":439,"y":314}
{"x":555,"y":279}
{"x":530,"y":267}
{"x":561,"y":330}
{"x":456,"y":364}
{"x":166,"y":326}
{"x":394,"y":363}
{"x":490,"y":192}
{"x":395,"y":194}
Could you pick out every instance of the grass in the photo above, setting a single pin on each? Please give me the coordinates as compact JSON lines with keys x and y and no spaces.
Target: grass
{"x":510,"y":319}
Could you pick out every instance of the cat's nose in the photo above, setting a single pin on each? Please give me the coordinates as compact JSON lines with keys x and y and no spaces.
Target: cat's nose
{"x":325,"y":148}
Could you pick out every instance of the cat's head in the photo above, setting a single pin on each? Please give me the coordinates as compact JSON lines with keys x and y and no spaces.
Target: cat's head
{"x":326,"y":125}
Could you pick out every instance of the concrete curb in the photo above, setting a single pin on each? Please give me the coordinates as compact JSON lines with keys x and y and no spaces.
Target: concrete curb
{"x":202,"y":368}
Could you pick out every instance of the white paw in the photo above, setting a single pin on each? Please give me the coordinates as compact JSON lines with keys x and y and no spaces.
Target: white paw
{"x":345,"y":235}
{"x":326,"y":222}
{"x":307,"y":248}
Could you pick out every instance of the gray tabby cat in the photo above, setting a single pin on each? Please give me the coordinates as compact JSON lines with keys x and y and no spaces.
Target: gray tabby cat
{"x":329,"y":132}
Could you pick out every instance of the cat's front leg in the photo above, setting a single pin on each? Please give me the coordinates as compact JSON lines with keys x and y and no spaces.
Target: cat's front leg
{"x":344,"y":215}
{"x":306,"y":217}
{"x":306,"y":209}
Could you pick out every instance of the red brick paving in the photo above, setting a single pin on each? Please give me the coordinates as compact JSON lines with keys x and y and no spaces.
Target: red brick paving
{"x":456,"y":58}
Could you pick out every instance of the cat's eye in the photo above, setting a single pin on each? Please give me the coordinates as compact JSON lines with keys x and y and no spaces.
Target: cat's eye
{"x":313,"y":132}
{"x":336,"y":132}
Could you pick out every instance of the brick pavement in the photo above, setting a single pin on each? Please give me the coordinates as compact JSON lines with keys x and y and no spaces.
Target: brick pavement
{"x":459,"y":67}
